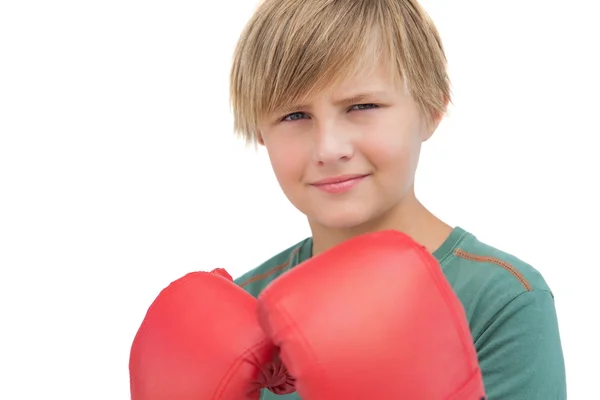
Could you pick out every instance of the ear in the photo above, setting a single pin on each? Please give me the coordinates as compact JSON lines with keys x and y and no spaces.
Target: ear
{"x":259,"y":138}
{"x":433,"y":122}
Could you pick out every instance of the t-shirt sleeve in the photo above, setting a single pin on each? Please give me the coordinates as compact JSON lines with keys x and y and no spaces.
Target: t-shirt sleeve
{"x":520,"y":351}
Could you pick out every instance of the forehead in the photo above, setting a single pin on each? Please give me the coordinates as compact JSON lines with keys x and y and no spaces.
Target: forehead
{"x":376,"y":75}
{"x":322,"y":68}
{"x":366,"y":81}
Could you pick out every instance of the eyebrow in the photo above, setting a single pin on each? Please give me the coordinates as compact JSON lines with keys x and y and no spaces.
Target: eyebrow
{"x":364,"y":97}
{"x":358,"y":98}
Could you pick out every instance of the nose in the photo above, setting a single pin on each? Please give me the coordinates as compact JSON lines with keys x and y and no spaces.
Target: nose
{"x":332,"y":144}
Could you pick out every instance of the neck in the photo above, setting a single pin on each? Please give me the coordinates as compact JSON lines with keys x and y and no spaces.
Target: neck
{"x":408,"y":216}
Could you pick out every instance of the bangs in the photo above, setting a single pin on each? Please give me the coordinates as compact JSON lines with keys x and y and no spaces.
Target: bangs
{"x":319,"y":57}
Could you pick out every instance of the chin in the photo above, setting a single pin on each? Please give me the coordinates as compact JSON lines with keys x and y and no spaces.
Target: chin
{"x":341,"y":219}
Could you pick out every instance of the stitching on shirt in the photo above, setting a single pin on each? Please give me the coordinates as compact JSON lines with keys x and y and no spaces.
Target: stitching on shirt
{"x":444,"y":258}
{"x":497,"y":261}
{"x":272,"y":271}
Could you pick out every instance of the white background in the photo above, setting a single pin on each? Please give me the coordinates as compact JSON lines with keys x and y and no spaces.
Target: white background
{"x":119,"y":171}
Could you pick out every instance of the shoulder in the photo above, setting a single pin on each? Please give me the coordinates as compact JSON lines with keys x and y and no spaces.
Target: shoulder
{"x":477,"y":263}
{"x":488,"y":279}
{"x":255,"y":280}
{"x":512,"y":317}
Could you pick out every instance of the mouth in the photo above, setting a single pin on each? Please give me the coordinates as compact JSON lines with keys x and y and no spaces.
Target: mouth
{"x":339,"y":184}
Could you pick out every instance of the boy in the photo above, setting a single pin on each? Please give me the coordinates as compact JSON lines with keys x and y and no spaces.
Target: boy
{"x":342,"y":94}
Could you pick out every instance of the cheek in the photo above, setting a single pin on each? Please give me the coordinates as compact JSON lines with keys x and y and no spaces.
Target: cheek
{"x":398,"y":151}
{"x":394,"y":154}
{"x":288,"y":170}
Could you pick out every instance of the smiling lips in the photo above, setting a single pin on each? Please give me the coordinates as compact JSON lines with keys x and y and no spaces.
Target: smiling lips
{"x":339,"y":184}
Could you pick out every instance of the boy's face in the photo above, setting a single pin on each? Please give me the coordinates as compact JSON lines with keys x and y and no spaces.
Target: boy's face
{"x":348,"y":155}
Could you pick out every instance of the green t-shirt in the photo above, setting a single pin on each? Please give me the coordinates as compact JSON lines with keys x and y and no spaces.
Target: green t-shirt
{"x":509,"y":306}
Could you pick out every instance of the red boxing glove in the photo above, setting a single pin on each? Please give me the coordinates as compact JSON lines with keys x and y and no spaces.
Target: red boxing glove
{"x":200,"y":340}
{"x":373,"y":318}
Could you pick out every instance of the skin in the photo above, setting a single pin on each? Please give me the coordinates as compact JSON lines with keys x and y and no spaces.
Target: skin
{"x":365,"y":125}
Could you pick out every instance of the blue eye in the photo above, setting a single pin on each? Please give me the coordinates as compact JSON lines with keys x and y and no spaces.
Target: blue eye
{"x":364,"y":106}
{"x":294,"y":116}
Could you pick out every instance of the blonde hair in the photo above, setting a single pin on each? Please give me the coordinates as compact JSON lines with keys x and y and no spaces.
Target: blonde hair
{"x":291,"y":50}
